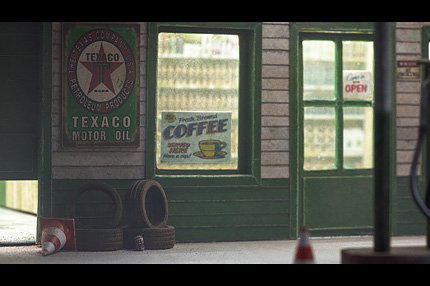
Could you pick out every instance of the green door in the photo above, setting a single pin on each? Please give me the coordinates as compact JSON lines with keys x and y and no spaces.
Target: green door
{"x":336,"y":133}
{"x":20,"y":99}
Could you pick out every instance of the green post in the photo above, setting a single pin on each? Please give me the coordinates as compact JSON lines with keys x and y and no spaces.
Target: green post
{"x":384,"y":64}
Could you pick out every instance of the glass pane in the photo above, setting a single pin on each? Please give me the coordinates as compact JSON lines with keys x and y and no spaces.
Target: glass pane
{"x":318,"y":70}
{"x":319,"y":138}
{"x":197,"y":100}
{"x":358,"y":137}
{"x":357,"y":70}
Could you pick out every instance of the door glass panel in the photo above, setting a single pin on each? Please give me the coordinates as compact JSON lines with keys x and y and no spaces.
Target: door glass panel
{"x":325,"y":139}
{"x":319,"y":138}
{"x":197,"y":101}
{"x":357,"y":70}
{"x":358,"y":137}
{"x":318,"y":70}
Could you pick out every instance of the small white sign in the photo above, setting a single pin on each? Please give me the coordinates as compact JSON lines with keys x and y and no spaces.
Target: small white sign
{"x":357,"y":84}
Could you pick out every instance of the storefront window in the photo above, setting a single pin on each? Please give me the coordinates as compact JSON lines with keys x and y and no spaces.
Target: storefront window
{"x":197,"y":101}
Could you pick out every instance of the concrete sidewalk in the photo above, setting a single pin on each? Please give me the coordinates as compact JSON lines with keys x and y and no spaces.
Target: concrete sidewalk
{"x":18,"y":229}
{"x":326,"y":251}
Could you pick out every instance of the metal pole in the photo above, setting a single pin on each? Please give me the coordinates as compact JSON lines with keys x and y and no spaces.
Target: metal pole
{"x":383,"y":108}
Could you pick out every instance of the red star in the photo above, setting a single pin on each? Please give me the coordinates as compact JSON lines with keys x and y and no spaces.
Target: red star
{"x":101,"y":70}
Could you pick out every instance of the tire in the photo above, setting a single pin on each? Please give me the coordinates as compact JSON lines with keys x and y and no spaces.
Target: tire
{"x":158,"y":245}
{"x":132,"y":204}
{"x":99,"y":239}
{"x":153,"y":238}
{"x":110,"y":191}
{"x":146,"y":204}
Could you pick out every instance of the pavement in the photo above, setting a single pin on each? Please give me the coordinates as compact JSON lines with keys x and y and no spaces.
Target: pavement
{"x":325,"y":250}
{"x":17,"y":228}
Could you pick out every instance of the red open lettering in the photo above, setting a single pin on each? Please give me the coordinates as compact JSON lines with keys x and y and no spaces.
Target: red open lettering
{"x":356,"y":88}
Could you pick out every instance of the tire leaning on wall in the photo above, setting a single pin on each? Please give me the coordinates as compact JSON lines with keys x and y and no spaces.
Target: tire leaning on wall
{"x":147,"y":212}
{"x":100,"y":186}
{"x":104,"y":237}
{"x":146,"y":204}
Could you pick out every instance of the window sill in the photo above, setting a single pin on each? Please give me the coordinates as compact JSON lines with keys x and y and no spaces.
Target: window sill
{"x":208,"y":180}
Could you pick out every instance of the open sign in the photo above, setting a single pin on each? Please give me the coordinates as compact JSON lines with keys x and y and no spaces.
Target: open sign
{"x":357,"y":84}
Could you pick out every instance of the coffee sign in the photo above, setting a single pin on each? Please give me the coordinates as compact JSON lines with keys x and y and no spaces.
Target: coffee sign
{"x":195,"y":137}
{"x":100,"y":85}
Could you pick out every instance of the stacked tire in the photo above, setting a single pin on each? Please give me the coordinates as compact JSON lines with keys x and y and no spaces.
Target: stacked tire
{"x":106,"y":236}
{"x":147,"y":213}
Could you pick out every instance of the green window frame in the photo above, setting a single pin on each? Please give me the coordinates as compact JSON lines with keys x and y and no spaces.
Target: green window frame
{"x":337,"y":105}
{"x":249,"y":107}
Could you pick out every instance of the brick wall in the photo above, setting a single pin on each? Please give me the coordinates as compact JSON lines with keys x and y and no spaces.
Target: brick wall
{"x":408,"y":47}
{"x":275,"y":101}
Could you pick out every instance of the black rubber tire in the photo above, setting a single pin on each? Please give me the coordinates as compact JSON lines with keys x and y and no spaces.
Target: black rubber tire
{"x":99,"y":239}
{"x":158,"y":245}
{"x":132,"y":204}
{"x":153,"y":238}
{"x":101,"y":186}
{"x":146,"y":204}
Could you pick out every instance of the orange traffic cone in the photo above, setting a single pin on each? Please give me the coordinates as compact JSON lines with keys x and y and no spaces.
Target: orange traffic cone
{"x":57,"y":234}
{"x":304,"y":253}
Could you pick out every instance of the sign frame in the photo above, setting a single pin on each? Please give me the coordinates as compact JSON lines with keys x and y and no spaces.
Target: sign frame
{"x":100,"y":102}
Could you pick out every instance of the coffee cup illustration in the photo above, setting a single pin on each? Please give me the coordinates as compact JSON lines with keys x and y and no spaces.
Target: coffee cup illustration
{"x":211,"y":149}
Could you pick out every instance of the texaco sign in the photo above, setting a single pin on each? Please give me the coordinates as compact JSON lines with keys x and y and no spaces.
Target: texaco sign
{"x":100,"y":85}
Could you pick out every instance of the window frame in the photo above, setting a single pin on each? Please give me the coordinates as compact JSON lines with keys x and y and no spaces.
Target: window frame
{"x":248,"y":172}
{"x":339,"y":103}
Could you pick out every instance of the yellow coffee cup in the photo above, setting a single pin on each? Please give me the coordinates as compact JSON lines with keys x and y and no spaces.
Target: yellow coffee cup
{"x":211,"y":148}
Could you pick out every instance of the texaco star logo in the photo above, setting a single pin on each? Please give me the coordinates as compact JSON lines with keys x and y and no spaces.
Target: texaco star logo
{"x":101,"y":71}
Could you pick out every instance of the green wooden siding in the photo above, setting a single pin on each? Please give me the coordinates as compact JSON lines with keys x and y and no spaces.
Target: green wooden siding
{"x":228,"y":213}
{"x":323,"y":205}
{"x":408,"y":220}
{"x":207,"y":213}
